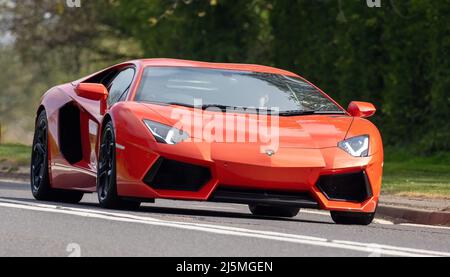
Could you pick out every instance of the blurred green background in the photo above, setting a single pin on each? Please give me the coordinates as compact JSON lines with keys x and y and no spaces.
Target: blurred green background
{"x":396,"y":56}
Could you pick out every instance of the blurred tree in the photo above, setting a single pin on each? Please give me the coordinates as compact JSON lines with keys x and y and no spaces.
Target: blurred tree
{"x":52,"y":34}
{"x":416,"y":75}
{"x":214,"y":30}
{"x":17,"y":97}
{"x":397,"y":56}
{"x":44,"y":42}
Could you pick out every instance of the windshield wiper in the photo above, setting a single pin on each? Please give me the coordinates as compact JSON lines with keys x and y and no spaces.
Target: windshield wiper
{"x":241,"y":109}
{"x":329,"y":112}
{"x":266,"y":111}
{"x":307,"y":112}
{"x":244,"y":109}
{"x":296,"y":113}
{"x":222,"y":107}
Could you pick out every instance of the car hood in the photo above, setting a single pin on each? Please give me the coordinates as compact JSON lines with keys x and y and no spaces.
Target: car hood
{"x":307,"y":132}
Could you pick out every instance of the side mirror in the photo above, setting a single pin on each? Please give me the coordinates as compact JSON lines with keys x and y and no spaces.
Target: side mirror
{"x":95,"y":92}
{"x":361,"y":109}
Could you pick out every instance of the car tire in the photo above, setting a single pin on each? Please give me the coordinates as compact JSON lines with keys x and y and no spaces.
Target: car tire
{"x":39,"y":171}
{"x":349,"y":218}
{"x":39,"y":175}
{"x":106,"y":174}
{"x":263,"y":210}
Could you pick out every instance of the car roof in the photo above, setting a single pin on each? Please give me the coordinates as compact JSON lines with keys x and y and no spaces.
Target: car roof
{"x":224,"y":66}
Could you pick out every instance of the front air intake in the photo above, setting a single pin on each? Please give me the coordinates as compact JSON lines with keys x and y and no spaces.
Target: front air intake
{"x":353,"y":187}
{"x":168,"y":174}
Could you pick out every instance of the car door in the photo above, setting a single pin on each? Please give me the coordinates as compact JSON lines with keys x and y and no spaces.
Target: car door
{"x":118,"y":85}
{"x":79,"y":128}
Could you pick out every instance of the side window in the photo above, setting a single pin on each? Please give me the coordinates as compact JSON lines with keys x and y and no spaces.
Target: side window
{"x":103,"y":77}
{"x":120,"y":85}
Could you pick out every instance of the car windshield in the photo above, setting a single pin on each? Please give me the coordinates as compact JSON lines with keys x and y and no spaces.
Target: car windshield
{"x":235,"y":89}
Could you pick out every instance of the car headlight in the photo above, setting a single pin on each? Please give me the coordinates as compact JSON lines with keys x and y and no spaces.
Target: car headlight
{"x":166,"y":134}
{"x":357,"y":146}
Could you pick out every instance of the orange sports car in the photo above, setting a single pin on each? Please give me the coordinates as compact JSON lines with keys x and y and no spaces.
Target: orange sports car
{"x":186,"y":130}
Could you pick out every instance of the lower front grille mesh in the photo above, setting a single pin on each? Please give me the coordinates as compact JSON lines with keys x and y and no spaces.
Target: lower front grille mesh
{"x":262,"y":197}
{"x":354,"y":187}
{"x":173,"y":175}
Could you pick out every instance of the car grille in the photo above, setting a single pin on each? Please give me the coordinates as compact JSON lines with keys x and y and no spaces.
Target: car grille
{"x":263,"y":197}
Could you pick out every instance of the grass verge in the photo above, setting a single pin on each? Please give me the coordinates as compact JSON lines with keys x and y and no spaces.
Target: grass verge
{"x":13,"y":156}
{"x":406,"y":174}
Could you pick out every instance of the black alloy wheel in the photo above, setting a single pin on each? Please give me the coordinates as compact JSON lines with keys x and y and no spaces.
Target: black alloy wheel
{"x":40,"y":185}
{"x":106,"y":174}
{"x":39,"y":172}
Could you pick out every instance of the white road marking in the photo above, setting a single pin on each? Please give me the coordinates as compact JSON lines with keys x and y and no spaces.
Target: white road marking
{"x":20,"y":182}
{"x":383,"y":221}
{"x":315,"y":212}
{"x":225,"y":230}
{"x":199,"y":205}
{"x":323,"y":213}
{"x":425,"y":226}
{"x":303,"y":211}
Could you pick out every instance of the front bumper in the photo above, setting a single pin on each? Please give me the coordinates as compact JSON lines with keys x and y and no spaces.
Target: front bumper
{"x":293,"y":177}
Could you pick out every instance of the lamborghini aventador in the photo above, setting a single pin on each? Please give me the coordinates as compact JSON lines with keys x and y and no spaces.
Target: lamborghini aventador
{"x":185,"y":130}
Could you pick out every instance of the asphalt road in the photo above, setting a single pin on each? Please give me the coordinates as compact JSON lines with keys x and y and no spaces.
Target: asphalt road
{"x":193,"y":229}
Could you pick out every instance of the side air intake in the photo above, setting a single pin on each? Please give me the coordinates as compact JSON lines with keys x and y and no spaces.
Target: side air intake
{"x":354,"y":187}
{"x":70,"y":133}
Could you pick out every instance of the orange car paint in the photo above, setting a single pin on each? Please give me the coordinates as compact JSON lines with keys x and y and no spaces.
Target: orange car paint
{"x":305,"y":154}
